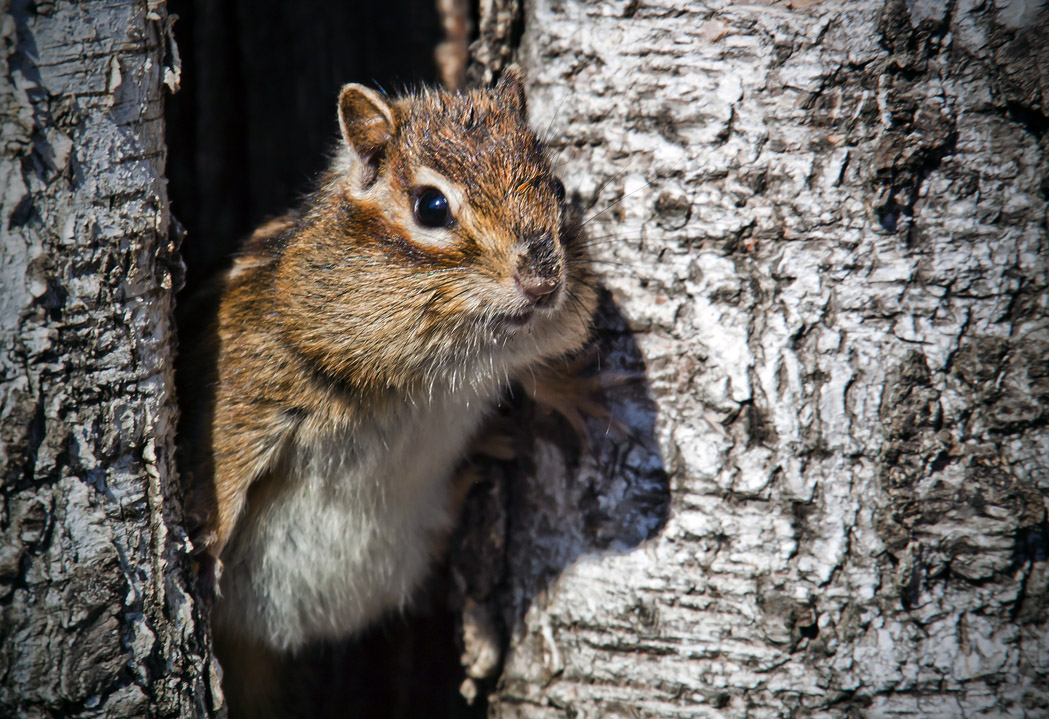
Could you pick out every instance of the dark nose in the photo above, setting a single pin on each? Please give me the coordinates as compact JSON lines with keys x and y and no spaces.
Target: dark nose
{"x":538,"y":276}
{"x":539,"y":290}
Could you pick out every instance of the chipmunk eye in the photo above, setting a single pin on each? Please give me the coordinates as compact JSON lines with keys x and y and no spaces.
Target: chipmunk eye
{"x":559,"y":189}
{"x":431,"y":208}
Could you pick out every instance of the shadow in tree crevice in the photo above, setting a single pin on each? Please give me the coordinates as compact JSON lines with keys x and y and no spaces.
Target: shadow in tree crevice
{"x":560,"y":502}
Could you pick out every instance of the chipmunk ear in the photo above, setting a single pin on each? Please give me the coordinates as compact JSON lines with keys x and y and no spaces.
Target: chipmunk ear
{"x":510,"y":88}
{"x":366,"y":121}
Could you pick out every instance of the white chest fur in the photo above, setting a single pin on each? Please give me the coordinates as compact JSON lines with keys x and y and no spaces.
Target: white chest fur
{"x":351,"y":530}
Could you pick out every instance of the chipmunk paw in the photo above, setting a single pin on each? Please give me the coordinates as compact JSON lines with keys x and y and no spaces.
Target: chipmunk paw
{"x":575,"y":392}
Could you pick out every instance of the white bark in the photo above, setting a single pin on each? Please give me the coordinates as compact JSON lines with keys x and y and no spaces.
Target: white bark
{"x":97,"y":619}
{"x":827,"y":236}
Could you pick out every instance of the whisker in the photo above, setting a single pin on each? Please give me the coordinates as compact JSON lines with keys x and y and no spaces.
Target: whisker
{"x":604,"y":240}
{"x":623,"y":232}
{"x":613,"y":263}
{"x":557,"y":111}
{"x":559,"y":162}
{"x":606,"y":183}
{"x":585,"y":222}
{"x":587,"y":284}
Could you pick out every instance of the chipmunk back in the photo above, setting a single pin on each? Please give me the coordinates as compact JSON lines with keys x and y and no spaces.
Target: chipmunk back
{"x":359,"y":342}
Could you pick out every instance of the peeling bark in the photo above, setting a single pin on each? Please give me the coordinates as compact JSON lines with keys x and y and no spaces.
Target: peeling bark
{"x":824,"y":231}
{"x":97,"y":614}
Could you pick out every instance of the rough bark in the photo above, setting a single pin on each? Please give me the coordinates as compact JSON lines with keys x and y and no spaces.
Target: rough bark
{"x":97,"y":616}
{"x":824,"y":230}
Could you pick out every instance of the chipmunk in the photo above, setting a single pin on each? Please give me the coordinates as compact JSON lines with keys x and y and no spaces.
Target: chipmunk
{"x":358,"y":344}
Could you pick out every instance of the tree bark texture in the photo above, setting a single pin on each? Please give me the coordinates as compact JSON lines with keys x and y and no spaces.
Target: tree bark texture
{"x":97,"y":616}
{"x":824,"y":231}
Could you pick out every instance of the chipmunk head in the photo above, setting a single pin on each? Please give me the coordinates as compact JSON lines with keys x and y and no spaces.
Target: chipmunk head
{"x":442,"y":224}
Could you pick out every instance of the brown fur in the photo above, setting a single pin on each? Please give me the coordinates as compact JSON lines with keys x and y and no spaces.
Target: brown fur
{"x":333,"y":310}
{"x":337,"y":313}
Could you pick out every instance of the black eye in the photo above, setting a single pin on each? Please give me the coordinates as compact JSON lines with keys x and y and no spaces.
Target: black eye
{"x":431,"y":208}
{"x":559,"y":190}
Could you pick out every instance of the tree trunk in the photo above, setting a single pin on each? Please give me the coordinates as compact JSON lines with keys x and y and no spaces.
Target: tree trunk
{"x":824,"y":230}
{"x":98,"y":619}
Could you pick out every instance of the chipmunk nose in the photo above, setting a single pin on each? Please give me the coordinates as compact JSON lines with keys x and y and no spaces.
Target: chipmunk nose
{"x":538,"y":290}
{"x":538,"y":277}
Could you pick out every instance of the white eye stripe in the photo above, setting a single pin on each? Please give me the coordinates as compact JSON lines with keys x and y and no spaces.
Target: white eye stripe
{"x":438,"y":237}
{"x":455,"y":194}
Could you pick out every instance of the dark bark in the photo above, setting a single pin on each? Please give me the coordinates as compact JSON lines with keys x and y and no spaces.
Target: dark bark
{"x":98,"y":615}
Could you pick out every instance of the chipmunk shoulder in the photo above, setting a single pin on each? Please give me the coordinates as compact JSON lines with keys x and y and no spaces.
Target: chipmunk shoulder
{"x":360,"y":341}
